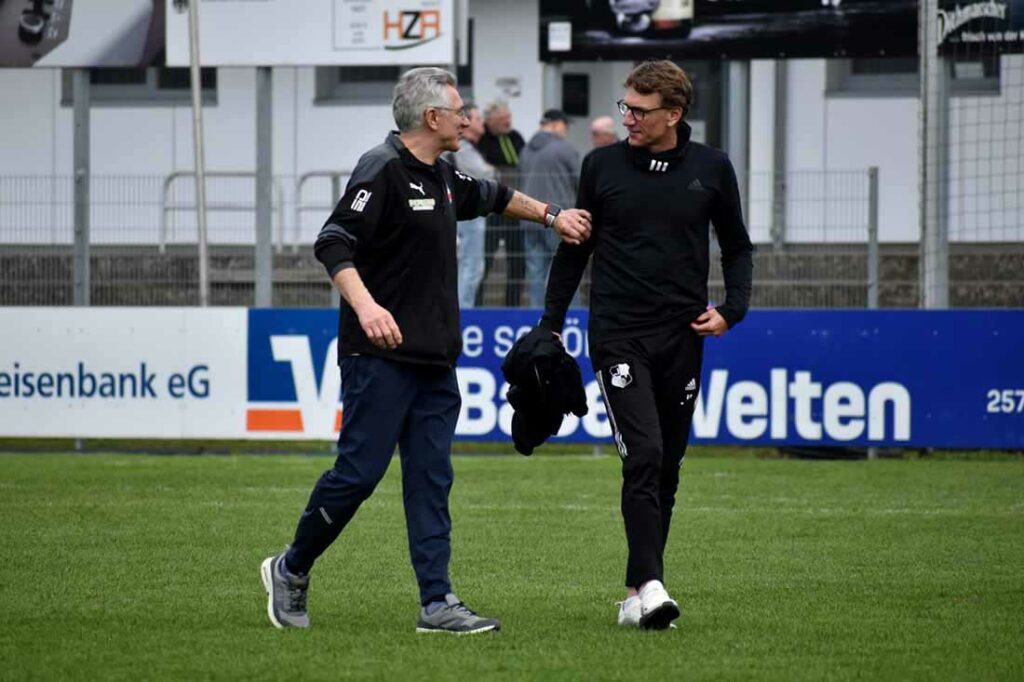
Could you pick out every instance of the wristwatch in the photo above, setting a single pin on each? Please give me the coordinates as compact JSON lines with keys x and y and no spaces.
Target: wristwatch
{"x":551,"y":212}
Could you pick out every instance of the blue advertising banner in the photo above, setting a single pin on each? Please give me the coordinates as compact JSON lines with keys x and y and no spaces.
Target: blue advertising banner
{"x":951,"y":379}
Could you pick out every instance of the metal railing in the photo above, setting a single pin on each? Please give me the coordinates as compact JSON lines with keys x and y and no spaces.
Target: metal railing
{"x":828,"y":255}
{"x":213,"y":206}
{"x":324,"y":207}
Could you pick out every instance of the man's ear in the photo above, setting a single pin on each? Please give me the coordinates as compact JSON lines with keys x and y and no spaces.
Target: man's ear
{"x":430,"y":119}
{"x":675,"y":115}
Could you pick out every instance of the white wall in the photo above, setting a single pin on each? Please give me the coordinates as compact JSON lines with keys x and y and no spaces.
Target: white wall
{"x":762,"y":149}
{"x":28,"y":141}
{"x":829,"y":144}
{"x":506,"y":43}
{"x":822,"y":135}
{"x":36,"y":137}
{"x":987,"y":161}
{"x":606,"y":79}
{"x":851,"y":134}
{"x":986,"y":189}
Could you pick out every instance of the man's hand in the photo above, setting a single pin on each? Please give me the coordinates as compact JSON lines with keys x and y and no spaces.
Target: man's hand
{"x":710,"y":323}
{"x":573,"y":225}
{"x":378,"y":325}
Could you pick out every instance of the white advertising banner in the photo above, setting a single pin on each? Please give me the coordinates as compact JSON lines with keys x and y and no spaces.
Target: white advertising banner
{"x":123,"y":372}
{"x":314,"y":32}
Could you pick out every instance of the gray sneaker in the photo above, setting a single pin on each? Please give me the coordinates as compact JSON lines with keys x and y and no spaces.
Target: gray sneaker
{"x":286,"y":594}
{"x":455,"y":618}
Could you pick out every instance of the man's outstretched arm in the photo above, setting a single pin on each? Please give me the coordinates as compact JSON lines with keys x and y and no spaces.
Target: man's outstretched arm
{"x":572,"y":224}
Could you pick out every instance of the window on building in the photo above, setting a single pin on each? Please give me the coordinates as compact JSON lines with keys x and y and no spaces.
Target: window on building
{"x":356,"y":84}
{"x":576,"y":94}
{"x":975,"y":75}
{"x":154,"y":86}
{"x":899,"y":76}
{"x":872,"y":77}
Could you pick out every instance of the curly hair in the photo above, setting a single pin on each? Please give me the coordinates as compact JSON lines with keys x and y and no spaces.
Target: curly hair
{"x":665,"y":78}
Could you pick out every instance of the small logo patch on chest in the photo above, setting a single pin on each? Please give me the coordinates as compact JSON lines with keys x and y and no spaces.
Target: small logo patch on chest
{"x":422,"y":204}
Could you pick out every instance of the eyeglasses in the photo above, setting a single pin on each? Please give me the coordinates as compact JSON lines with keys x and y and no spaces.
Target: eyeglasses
{"x":461,"y":112}
{"x":638,"y":113}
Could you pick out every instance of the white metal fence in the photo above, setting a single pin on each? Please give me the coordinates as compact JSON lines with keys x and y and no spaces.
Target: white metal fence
{"x":813,"y":231}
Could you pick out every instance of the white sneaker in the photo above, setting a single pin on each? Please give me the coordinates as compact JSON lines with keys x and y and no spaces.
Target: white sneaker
{"x":657,"y":609}
{"x":629,"y":612}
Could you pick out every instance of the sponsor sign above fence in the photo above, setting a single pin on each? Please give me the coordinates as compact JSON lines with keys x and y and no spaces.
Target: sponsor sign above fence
{"x":952,"y":379}
{"x":314,"y":32}
{"x":981,"y":27}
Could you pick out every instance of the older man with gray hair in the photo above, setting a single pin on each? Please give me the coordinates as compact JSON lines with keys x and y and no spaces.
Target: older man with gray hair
{"x":602,"y":132}
{"x":389,"y":248}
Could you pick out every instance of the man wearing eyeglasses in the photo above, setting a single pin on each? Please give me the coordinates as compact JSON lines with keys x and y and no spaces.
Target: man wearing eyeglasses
{"x":389,"y":247}
{"x":652,"y":198}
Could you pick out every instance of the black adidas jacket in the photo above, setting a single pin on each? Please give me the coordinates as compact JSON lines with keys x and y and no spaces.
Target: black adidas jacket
{"x":396,"y":226}
{"x":650,"y":240}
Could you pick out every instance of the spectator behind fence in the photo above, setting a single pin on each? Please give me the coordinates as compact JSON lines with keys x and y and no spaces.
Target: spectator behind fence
{"x":602,"y":132}
{"x":549,"y":170}
{"x":471,"y":232}
{"x":500,"y":146}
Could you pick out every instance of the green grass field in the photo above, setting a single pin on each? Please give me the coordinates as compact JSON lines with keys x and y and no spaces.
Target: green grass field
{"x":146,"y":567}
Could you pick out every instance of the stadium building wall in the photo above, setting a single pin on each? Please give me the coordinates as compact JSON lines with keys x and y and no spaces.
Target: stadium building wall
{"x":822,"y":133}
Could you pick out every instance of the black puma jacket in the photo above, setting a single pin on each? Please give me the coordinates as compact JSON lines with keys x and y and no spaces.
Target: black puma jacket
{"x":396,"y":226}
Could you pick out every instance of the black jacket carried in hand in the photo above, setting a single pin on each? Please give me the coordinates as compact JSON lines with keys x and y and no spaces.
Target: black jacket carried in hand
{"x":545,"y":385}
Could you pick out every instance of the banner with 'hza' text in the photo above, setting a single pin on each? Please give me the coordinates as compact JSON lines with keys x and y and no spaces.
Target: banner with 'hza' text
{"x":886,"y":378}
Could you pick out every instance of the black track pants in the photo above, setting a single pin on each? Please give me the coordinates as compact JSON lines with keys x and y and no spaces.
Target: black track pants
{"x":650,"y":388}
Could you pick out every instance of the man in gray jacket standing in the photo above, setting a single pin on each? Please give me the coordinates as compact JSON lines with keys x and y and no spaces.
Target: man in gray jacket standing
{"x":471,"y":232}
{"x":550,"y":171}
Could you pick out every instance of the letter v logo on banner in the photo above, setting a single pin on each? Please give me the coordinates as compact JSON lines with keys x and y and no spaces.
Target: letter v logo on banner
{"x":318,"y":406}
{"x":290,"y":395}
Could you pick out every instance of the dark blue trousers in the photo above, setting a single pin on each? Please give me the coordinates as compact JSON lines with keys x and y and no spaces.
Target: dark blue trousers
{"x":386,"y":404}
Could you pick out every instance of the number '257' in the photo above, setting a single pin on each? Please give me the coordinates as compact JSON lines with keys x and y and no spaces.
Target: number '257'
{"x":1005,"y":401}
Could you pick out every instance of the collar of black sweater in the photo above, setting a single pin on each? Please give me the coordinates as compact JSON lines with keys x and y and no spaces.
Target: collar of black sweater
{"x":662,"y":162}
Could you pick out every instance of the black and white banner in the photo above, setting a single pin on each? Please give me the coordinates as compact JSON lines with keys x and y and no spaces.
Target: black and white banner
{"x":583,"y":30}
{"x":985,"y":26}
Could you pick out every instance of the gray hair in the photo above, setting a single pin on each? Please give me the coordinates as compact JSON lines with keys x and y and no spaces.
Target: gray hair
{"x":416,"y":91}
{"x":495,"y":106}
{"x":604,"y":124}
